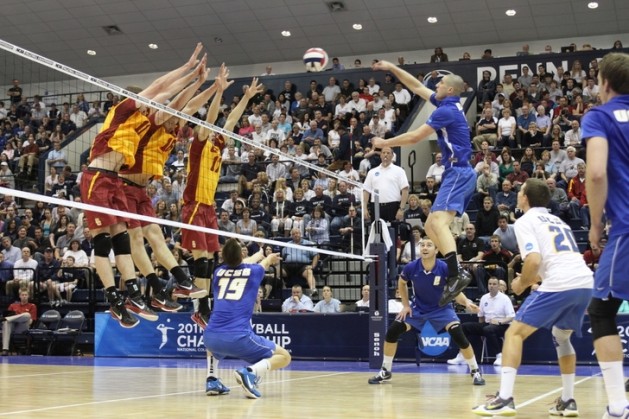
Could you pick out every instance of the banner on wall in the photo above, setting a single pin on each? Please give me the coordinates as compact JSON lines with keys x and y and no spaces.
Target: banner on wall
{"x":306,"y":335}
{"x":342,"y":336}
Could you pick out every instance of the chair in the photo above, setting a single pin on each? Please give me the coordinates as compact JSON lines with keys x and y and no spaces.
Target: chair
{"x":40,"y":335}
{"x":69,"y":330}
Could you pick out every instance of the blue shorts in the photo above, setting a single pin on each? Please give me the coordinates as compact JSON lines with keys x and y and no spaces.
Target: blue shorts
{"x":439,"y":319}
{"x":610,"y":276}
{"x":564,"y":309}
{"x":458,"y":185}
{"x":249,"y":347}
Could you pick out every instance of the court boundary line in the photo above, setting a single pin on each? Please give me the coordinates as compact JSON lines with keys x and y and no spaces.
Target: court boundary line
{"x":556,"y":390}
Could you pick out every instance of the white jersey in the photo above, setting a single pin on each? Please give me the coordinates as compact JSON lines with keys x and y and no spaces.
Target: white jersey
{"x":562,"y":267}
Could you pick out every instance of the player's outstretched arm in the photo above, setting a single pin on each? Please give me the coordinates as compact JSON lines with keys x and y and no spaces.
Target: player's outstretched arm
{"x":178,"y":85}
{"x":221,"y":85}
{"x":596,"y":185}
{"x":464,"y":301}
{"x":408,"y":138}
{"x":168,"y":79}
{"x":406,"y":78}
{"x":236,"y":114}
{"x":184,"y":96}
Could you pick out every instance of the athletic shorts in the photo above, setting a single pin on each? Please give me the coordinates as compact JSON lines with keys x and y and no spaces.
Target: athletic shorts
{"x":138,"y":203}
{"x":564,"y":309}
{"x":248,"y":347}
{"x":197,"y":214}
{"x":102,"y":188}
{"x":458,"y":185}
{"x":610,"y":276}
{"x":439,"y":318}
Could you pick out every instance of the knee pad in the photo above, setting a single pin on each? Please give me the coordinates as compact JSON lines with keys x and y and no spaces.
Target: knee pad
{"x":102,"y":245}
{"x":394,"y":332}
{"x":561,"y":339}
{"x":456,"y":332}
{"x":121,"y":244}
{"x":603,"y":317}
{"x":201,"y":268}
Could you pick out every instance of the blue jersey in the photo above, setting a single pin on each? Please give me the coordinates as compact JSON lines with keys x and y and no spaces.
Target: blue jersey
{"x":453,"y":133}
{"x":611,"y":121}
{"x":427,"y":285}
{"x":235,"y":292}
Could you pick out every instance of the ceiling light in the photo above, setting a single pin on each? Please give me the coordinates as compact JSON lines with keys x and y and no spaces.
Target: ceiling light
{"x":286,"y":33}
{"x":357,"y":26}
{"x":91,"y":52}
{"x":592,"y":5}
{"x":510,"y":12}
{"x":432,"y":19}
{"x":153,"y":46}
{"x":218,"y":40}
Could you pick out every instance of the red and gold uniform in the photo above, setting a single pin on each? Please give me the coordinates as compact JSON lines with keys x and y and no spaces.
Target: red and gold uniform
{"x":150,"y":159}
{"x":122,"y":131}
{"x":204,"y":167}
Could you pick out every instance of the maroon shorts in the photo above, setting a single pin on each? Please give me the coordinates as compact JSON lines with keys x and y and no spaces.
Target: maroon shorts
{"x":197,"y":214}
{"x":139,"y":203}
{"x":102,"y":188}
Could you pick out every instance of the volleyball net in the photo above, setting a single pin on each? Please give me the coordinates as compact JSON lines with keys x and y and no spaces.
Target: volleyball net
{"x":65,"y":106}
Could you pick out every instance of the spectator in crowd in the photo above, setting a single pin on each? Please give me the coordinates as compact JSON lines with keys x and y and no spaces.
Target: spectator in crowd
{"x":568,"y":167}
{"x":506,"y":200}
{"x":506,"y":232}
{"x":578,"y":197}
{"x":518,"y":176}
{"x":328,"y":304}
{"x":487,"y":218}
{"x":23,"y":273}
{"x":298,"y":265}
{"x":495,"y":314}
{"x":486,"y":129}
{"x":21,"y":316}
{"x":11,"y":253}
{"x":436,"y":169}
{"x":496,"y":260}
{"x":297,"y":302}
{"x":364,"y":301}
{"x":439,"y":56}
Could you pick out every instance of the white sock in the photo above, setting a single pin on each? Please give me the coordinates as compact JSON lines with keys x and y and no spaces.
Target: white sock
{"x":614,"y":385}
{"x":567,"y":393}
{"x":212,"y":366}
{"x":261,"y":367}
{"x":387,"y":362}
{"x":471,"y":363}
{"x":507,"y":382}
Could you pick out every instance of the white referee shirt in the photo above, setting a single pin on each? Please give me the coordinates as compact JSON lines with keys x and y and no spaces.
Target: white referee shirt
{"x":389,"y":181}
{"x":499,"y":306}
{"x":562,"y":267}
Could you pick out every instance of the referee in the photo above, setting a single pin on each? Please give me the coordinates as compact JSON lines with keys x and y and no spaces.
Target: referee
{"x":392,"y":185}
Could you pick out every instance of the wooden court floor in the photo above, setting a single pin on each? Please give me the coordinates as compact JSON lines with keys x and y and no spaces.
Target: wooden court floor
{"x":319,"y":390}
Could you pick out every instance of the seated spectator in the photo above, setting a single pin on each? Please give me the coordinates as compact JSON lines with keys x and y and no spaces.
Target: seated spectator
{"x":506,"y":232}
{"x":328,"y":304}
{"x":318,"y":229}
{"x":79,"y":257}
{"x":405,"y":255}
{"x":364,"y":301}
{"x":23,"y":273}
{"x":578,"y":197}
{"x":246,"y":226}
{"x":518,"y":176}
{"x":507,"y":199}
{"x":487,"y":218}
{"x":495,"y":314}
{"x":18,"y":319}
{"x":297,"y":302}
{"x":298,"y":265}
{"x":496,"y":263}
{"x":11,"y":253}
{"x":281,"y":213}
{"x":486,"y":129}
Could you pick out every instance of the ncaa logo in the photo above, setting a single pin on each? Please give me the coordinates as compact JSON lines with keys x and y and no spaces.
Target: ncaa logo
{"x":433,"y":343}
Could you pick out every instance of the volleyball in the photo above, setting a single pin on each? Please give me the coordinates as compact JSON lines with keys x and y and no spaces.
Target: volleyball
{"x":315,"y":59}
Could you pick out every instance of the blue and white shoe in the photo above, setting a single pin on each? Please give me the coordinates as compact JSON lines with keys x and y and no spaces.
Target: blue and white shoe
{"x":623,"y":415}
{"x":248,"y":381}
{"x":214,"y":387}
